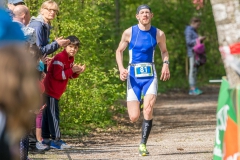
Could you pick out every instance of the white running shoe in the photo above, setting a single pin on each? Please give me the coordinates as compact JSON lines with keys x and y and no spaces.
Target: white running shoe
{"x":64,"y":145}
{"x":41,"y":146}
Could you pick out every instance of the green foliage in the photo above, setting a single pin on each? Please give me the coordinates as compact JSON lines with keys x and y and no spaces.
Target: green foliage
{"x":91,"y":100}
{"x":172,"y":16}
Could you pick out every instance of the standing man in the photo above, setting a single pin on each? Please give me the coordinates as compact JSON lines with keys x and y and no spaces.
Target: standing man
{"x":21,"y":15}
{"x":191,"y":36}
{"x":141,"y":74}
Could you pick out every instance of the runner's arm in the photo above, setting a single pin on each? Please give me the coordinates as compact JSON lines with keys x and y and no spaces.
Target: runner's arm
{"x":161,"y":40}
{"x":121,"y":47}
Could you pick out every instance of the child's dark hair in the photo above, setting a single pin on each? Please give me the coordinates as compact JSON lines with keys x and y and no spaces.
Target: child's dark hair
{"x":74,"y":40}
{"x":34,"y":51}
{"x":36,"y":55}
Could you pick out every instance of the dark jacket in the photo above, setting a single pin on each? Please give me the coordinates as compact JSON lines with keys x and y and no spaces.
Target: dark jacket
{"x":5,"y":149}
{"x":43,"y":32}
{"x":190,"y":37}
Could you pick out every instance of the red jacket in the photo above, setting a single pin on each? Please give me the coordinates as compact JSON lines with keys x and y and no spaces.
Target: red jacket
{"x":59,"y":71}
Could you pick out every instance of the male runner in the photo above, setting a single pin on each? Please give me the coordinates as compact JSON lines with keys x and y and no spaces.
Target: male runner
{"x":141,"y":74}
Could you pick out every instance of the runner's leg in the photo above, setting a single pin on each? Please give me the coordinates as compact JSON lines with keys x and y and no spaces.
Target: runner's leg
{"x":149,"y":101}
{"x":133,"y":110}
{"x":133,"y":98}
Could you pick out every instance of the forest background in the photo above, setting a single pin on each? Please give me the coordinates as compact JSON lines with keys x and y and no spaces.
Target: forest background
{"x":92,"y":100}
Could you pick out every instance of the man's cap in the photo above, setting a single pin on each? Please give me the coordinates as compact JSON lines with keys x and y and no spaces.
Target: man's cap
{"x":143,"y":6}
{"x":15,"y":1}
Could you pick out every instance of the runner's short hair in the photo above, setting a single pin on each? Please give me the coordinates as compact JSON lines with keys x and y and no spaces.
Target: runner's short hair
{"x":143,"y":6}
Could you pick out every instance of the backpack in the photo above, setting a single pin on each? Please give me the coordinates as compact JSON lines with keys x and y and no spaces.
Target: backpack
{"x":200,"y":54}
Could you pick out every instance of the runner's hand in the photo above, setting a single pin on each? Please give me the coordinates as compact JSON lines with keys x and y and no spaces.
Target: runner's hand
{"x":165,"y":75}
{"x":123,"y":74}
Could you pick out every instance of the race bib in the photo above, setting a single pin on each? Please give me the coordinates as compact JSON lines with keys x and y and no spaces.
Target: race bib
{"x":143,"y":70}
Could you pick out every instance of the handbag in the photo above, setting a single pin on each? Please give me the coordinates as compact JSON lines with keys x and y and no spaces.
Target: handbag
{"x":200,"y":54}
{"x":199,"y":47}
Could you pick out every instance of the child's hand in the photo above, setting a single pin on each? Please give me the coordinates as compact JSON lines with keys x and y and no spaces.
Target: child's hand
{"x":48,"y":59}
{"x":38,"y":111}
{"x":44,"y":58}
{"x":44,"y":106}
{"x":76,"y":68}
{"x":83,"y":67}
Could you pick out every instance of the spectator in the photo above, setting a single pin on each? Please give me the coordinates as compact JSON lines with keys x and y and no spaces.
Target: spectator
{"x":42,"y":26}
{"x":61,"y":69}
{"x":191,"y":36}
{"x":18,"y":89}
{"x":36,"y":54}
{"x":22,"y":17}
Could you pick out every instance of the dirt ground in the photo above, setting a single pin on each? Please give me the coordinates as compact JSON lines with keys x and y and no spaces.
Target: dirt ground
{"x":183,"y":129}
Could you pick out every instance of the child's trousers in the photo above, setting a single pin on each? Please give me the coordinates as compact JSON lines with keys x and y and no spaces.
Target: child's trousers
{"x":50,"y":119}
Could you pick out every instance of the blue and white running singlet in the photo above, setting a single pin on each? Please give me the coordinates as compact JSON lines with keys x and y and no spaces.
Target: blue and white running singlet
{"x":142,"y":77}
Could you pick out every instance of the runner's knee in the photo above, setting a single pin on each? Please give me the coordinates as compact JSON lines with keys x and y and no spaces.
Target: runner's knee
{"x":133,"y":118}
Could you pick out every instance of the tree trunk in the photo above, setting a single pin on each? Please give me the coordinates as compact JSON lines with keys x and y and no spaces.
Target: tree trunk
{"x":226,"y":14}
{"x":117,"y":19}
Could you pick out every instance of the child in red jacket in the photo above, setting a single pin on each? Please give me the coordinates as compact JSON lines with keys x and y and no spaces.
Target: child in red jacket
{"x":60,"y":70}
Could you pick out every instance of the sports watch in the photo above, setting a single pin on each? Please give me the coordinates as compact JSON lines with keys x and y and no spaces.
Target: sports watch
{"x":167,"y":62}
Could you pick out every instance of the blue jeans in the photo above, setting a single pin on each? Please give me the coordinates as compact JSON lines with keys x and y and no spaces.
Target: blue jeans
{"x":192,"y":73}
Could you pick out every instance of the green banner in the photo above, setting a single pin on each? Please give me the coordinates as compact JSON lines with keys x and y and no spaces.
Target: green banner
{"x":226,"y":140}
